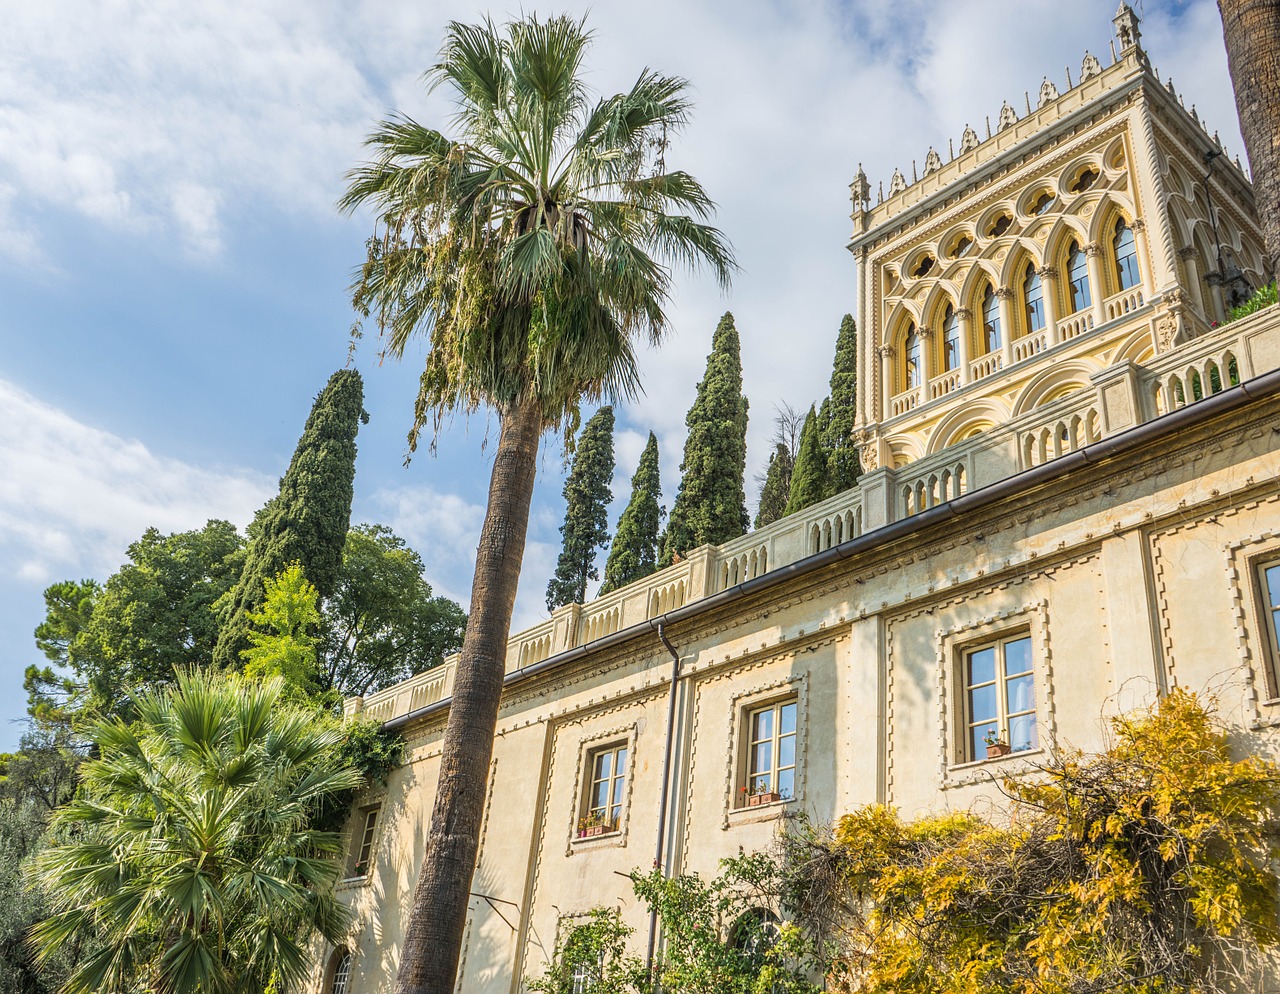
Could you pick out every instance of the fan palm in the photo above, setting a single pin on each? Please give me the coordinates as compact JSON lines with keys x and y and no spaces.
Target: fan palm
{"x":533,"y":252}
{"x":190,"y":858}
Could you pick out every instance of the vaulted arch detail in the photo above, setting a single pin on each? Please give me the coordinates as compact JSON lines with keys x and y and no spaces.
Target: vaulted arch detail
{"x":1054,"y":381}
{"x":905,"y":449}
{"x":956,"y":425}
{"x":1137,"y":347}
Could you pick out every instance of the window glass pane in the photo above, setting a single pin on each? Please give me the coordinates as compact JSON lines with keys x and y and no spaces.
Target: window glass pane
{"x":604,"y":765}
{"x":1273,"y":585}
{"x":1022,"y":732}
{"x":618,"y":786}
{"x":977,"y":739}
{"x":982,"y":666}
{"x":762,"y":724}
{"x":621,"y":765}
{"x":788,"y":719}
{"x":787,"y":751}
{"x":787,"y":783}
{"x":762,"y":757}
{"x":599,"y":795}
{"x":1017,"y":656}
{"x":1020,"y":694}
{"x":982,"y":703}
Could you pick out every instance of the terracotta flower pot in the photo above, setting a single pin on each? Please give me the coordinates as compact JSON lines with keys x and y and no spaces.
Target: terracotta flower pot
{"x":997,"y":749}
{"x":766,"y":798}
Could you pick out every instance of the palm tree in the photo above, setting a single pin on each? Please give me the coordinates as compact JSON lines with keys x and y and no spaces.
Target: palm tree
{"x":190,"y":865}
{"x":532,"y":252}
{"x":1251,"y":29}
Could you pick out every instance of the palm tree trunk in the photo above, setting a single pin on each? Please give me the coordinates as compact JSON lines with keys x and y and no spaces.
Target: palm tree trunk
{"x":433,"y":938}
{"x":1251,"y":29}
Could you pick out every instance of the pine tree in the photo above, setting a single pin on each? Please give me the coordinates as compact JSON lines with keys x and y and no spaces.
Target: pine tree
{"x":711,"y":505}
{"x":634,"y":554}
{"x":586,"y":516}
{"x":840,"y":411}
{"x":307,"y":521}
{"x":809,"y":478}
{"x":777,"y":487}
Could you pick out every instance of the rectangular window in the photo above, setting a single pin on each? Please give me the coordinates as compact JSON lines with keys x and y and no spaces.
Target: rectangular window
{"x":1269,"y":588}
{"x":999,"y":697}
{"x":606,"y":788}
{"x":364,"y":852}
{"x":771,"y":751}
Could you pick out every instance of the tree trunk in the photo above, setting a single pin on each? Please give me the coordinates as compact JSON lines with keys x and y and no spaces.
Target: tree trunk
{"x":1251,"y":29}
{"x":433,"y":938}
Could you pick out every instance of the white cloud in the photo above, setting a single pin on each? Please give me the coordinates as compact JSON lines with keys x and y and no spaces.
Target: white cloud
{"x":73,"y":496}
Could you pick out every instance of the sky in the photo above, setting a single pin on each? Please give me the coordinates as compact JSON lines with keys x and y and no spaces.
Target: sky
{"x":173,"y":272}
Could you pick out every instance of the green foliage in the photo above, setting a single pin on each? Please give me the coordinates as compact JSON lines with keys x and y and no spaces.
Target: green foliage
{"x":586,"y":518}
{"x":1145,"y":868}
{"x":719,"y":936}
{"x":634,"y":553}
{"x":282,"y":639}
{"x":777,"y":486}
{"x":710,"y":506}
{"x":22,"y":833}
{"x":809,"y":477}
{"x":1262,"y":298}
{"x":191,"y":854}
{"x":307,"y":521}
{"x":533,"y":249}
{"x":591,"y":958}
{"x":151,"y":617}
{"x":370,"y":750}
{"x":383,"y":623}
{"x":839,"y":412}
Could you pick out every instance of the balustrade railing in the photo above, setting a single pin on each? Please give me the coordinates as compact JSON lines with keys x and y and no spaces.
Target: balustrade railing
{"x":1122,"y":303}
{"x":1075,"y":325}
{"x":942,"y":385}
{"x":1029,"y":345}
{"x":904,"y":402}
{"x":985,"y":365}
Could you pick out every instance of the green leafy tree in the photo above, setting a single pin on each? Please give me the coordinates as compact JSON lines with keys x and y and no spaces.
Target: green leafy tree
{"x":711,"y":504}
{"x":634,"y":553}
{"x":1144,"y":868}
{"x":282,"y":637}
{"x":531,"y":250}
{"x":839,"y":412}
{"x":777,"y":487}
{"x":152,"y":616}
{"x":383,"y":623}
{"x":586,"y":517}
{"x":809,"y":478}
{"x":193,"y":857}
{"x":307,"y":521}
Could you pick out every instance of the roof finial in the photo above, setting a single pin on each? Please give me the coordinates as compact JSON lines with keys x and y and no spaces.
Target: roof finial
{"x":859,"y":189}
{"x":1127,"y":31}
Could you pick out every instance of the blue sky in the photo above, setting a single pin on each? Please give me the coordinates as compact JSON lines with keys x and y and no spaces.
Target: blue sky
{"x":173,"y":273}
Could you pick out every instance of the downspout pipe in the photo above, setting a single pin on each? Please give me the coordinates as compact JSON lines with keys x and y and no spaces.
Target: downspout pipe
{"x":657,"y":625}
{"x":1183,"y":418}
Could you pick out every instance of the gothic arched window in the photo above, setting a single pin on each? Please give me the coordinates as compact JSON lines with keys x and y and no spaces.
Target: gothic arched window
{"x":990,"y":320}
{"x":913,"y":368}
{"x":1033,"y":297}
{"x":341,"y":972}
{"x":1078,"y":274}
{"x":1126,"y":256}
{"x":950,"y":340}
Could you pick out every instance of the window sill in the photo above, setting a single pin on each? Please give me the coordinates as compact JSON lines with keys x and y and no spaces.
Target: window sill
{"x":977,"y":770}
{"x":602,"y":841}
{"x":747,"y":814}
{"x":350,"y":883}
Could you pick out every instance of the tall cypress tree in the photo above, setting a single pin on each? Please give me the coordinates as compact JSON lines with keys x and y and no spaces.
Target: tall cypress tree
{"x":711,"y":505}
{"x":840,"y":412}
{"x":586,"y":516}
{"x":777,"y":486}
{"x":307,"y":521}
{"x":809,"y":478}
{"x":634,"y":554}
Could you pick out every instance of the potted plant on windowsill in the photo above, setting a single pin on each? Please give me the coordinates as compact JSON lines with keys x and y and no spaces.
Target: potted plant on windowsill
{"x":594,"y":824}
{"x":760,"y":793}
{"x":996,"y":746}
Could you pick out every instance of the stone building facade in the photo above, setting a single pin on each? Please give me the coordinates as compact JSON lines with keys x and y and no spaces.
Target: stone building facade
{"x":1070,"y":504}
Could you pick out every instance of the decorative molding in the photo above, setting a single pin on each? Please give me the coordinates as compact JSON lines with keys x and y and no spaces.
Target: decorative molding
{"x":1242,"y":557}
{"x":1093,"y":250}
{"x":1047,"y":273}
{"x":586,"y":747}
{"x":1004,"y":292}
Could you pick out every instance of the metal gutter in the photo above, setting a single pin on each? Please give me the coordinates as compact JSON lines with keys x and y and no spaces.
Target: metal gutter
{"x":1183,"y":418}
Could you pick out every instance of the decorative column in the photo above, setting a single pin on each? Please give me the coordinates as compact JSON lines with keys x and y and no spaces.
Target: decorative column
{"x":1005,"y":296}
{"x":965,"y":317}
{"x":1139,"y":229}
{"x":927,"y":371}
{"x":1049,"y":294}
{"x":887,"y":354}
{"x":1193,"y":278}
{"x":1097,"y":281}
